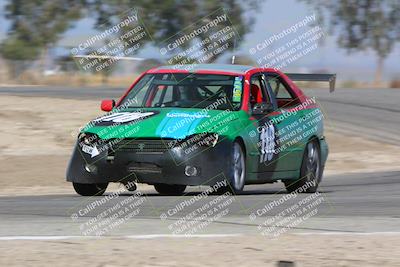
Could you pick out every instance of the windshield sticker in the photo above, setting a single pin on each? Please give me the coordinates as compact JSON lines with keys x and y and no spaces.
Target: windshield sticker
{"x":237,"y":89}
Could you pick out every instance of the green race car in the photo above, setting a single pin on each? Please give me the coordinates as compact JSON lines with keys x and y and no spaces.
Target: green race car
{"x":224,"y":126}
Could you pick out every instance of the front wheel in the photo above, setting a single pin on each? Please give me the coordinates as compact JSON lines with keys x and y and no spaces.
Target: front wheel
{"x":90,"y":189}
{"x":310,"y":172}
{"x":238,"y":171}
{"x":170,"y":189}
{"x":130,"y":186}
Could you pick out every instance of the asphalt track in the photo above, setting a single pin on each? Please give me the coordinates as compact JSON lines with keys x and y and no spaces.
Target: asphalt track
{"x":353,"y":204}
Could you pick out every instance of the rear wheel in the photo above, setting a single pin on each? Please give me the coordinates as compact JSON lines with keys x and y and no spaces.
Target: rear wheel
{"x":90,"y":189}
{"x":170,"y":189}
{"x":311,"y":171}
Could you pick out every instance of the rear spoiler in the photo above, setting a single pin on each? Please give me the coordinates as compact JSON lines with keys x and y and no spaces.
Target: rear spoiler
{"x":303,"y":77}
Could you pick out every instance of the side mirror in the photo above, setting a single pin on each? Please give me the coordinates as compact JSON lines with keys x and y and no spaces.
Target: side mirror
{"x":261,"y":108}
{"x":107,"y":105}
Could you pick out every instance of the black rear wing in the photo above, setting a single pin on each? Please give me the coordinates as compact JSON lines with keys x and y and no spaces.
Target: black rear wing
{"x":305,"y":77}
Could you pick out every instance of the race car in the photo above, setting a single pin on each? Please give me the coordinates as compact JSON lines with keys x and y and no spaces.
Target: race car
{"x":205,"y":124}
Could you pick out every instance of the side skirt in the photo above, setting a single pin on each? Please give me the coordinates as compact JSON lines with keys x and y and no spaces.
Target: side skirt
{"x":270,"y":177}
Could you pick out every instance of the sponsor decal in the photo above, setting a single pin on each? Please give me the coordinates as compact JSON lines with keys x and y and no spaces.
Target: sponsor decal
{"x":92,"y":151}
{"x":237,"y":89}
{"x":123,"y":117}
{"x":267,"y":138}
{"x":187,"y":115}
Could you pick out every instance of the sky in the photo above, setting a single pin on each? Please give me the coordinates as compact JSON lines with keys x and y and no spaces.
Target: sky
{"x":272,"y":17}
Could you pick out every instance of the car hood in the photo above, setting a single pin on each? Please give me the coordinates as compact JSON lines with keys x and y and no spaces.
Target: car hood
{"x":177,"y":123}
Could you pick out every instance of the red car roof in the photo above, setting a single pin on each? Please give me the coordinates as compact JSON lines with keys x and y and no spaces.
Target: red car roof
{"x":227,"y":69}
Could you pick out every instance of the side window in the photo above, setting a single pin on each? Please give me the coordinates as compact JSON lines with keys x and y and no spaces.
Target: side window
{"x":257,"y":90}
{"x":283,"y":94}
{"x":278,"y":87}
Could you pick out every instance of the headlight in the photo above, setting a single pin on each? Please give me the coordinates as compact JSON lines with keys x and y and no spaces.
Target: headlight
{"x":87,"y":138}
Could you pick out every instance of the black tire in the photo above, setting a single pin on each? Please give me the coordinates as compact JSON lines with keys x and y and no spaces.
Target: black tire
{"x":237,"y":172}
{"x":170,"y":189}
{"x":130,"y":186}
{"x":90,"y":189}
{"x":310,"y":172}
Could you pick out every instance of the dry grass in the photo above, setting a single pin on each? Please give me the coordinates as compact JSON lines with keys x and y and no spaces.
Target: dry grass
{"x":71,"y":79}
{"x":395,"y":83}
{"x":77,"y":79}
{"x":89,"y":80}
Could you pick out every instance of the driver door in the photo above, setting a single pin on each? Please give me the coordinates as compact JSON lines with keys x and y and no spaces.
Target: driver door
{"x":289,"y":125}
{"x":262,"y":105}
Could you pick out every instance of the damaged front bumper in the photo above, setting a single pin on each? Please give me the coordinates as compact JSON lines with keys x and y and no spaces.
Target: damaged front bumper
{"x":185,"y":166}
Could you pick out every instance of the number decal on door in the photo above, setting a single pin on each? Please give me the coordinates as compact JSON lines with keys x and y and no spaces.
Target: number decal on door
{"x":267,"y":138}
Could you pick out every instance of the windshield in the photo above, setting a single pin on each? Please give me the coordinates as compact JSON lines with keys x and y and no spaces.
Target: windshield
{"x":186,"y":91}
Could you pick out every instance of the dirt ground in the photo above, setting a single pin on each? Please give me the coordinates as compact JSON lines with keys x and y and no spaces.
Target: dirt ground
{"x":310,"y":250}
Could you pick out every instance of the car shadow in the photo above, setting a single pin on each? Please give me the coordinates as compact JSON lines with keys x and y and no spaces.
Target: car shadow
{"x":196,"y":193}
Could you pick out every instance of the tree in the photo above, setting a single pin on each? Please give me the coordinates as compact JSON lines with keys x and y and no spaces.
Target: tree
{"x":39,"y":24}
{"x":148,"y":64}
{"x":164,"y":19}
{"x":36,"y":25}
{"x":364,"y":24}
{"x":18,"y":54}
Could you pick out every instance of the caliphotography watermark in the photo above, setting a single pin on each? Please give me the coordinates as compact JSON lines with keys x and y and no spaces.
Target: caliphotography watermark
{"x":201,"y":42}
{"x":102,"y":215}
{"x":211,"y":129}
{"x":122,"y":40}
{"x":281,"y":133}
{"x":132,"y":101}
{"x":282,"y":49}
{"x":199,"y":211}
{"x":289,"y":211}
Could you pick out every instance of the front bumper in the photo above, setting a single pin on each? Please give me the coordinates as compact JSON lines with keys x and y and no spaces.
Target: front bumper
{"x":168,"y":167}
